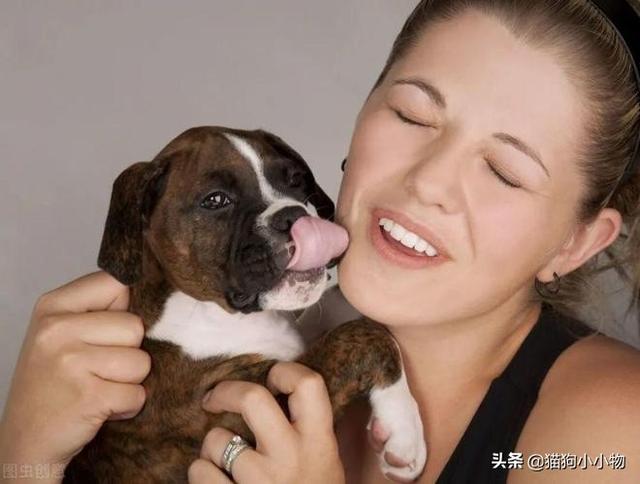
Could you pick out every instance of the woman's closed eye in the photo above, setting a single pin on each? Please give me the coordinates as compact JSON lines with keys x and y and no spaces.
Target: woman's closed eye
{"x":405,"y":119}
{"x":502,"y":178}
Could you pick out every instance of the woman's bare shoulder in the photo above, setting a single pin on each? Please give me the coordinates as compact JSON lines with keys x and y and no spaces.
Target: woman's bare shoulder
{"x":595,"y":368}
{"x":588,"y":407}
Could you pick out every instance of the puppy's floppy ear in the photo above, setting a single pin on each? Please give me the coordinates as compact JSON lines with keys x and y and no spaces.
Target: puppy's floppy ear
{"x":134,"y":195}
{"x":323,"y":204}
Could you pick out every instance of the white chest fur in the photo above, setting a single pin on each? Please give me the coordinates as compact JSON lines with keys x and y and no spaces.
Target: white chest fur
{"x":203,"y":329}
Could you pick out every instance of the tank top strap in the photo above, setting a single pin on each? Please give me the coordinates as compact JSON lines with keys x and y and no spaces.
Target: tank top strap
{"x":549,"y":337}
{"x":483,"y":453}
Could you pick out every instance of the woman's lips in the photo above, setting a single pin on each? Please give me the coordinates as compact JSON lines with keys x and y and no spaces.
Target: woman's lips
{"x":393,"y":251}
{"x":418,"y":229}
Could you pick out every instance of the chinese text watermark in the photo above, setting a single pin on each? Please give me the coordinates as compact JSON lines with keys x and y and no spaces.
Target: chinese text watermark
{"x":555,"y":460}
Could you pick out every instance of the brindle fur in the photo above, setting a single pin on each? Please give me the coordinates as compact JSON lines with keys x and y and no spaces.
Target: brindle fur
{"x":159,"y":444}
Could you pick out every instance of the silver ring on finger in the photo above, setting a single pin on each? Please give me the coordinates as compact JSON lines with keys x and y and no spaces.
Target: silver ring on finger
{"x":233,"y":449}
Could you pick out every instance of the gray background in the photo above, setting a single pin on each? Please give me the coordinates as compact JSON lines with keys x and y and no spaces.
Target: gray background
{"x":87,"y":88}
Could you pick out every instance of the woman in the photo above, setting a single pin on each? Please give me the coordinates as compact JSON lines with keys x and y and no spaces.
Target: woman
{"x":491,"y":133}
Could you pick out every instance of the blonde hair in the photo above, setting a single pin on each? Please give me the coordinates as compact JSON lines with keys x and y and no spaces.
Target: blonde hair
{"x":597,"y":63}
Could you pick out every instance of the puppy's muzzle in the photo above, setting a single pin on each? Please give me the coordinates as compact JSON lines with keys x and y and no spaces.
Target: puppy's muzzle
{"x":261,"y":258}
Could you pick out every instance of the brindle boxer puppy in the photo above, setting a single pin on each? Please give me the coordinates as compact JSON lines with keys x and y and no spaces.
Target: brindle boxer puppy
{"x":199,"y":234}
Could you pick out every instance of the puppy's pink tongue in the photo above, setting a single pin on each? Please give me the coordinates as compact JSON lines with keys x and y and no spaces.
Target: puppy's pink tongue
{"x":317,"y":241}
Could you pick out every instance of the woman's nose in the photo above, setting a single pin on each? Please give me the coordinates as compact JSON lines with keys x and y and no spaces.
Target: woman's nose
{"x":435,"y":179}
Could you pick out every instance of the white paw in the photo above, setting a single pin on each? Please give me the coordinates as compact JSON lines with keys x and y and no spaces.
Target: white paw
{"x":397,"y":414}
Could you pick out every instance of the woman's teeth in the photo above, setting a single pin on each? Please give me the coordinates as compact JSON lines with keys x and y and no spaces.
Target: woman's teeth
{"x":406,"y":238}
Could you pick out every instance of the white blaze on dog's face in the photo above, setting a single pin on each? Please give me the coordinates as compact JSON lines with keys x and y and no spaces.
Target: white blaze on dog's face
{"x":295,"y":290}
{"x":221,"y":227}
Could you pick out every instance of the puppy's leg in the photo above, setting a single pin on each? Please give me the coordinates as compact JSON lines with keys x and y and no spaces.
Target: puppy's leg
{"x":361,"y":359}
{"x":397,"y":412}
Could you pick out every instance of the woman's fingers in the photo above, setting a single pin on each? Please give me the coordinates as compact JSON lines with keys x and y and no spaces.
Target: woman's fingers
{"x":115,"y":363}
{"x":306,"y":451}
{"x":204,"y":472}
{"x":97,"y":291}
{"x":104,"y":328}
{"x":79,"y":365}
{"x":121,"y":400}
{"x":112,"y":327}
{"x":309,"y":403}
{"x":246,"y":467}
{"x":258,"y":408}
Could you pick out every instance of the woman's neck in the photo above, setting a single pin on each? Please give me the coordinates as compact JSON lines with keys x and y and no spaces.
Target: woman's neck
{"x":448,"y":361}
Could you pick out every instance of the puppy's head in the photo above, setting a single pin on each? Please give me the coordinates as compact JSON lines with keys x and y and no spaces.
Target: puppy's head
{"x":214,"y":210}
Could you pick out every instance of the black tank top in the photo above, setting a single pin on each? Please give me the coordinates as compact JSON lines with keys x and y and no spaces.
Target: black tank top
{"x":498,"y":421}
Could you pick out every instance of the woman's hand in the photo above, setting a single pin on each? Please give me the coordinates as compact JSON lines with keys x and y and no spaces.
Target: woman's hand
{"x":80,"y":364}
{"x":303,"y":450}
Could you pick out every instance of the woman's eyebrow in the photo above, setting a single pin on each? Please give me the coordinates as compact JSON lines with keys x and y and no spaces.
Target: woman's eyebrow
{"x":438,"y":98}
{"x":429,"y":89}
{"x":520,"y":145}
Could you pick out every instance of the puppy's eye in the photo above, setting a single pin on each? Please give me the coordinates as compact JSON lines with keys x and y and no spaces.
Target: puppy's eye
{"x":293,"y":177}
{"x":296,"y":179}
{"x":215,"y":200}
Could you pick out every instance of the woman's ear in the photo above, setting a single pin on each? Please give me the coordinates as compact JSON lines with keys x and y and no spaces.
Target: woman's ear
{"x":587,"y":240}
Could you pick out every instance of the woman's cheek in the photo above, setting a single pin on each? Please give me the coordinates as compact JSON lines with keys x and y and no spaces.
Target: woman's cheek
{"x":367,"y":171}
{"x":513,"y":239}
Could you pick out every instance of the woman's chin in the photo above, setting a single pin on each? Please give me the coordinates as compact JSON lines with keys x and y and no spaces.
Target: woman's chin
{"x":364,"y":290}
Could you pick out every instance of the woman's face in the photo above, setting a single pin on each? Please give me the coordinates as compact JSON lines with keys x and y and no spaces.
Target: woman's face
{"x":488,"y":103}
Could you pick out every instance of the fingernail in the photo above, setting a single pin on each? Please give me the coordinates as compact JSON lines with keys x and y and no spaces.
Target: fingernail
{"x":206,"y":397}
{"x":122,"y":416}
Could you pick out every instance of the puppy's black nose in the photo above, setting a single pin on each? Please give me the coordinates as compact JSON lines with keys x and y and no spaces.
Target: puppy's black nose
{"x":283,"y":219}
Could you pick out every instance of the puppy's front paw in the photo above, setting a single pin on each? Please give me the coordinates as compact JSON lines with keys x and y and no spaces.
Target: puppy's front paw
{"x":396,"y":432}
